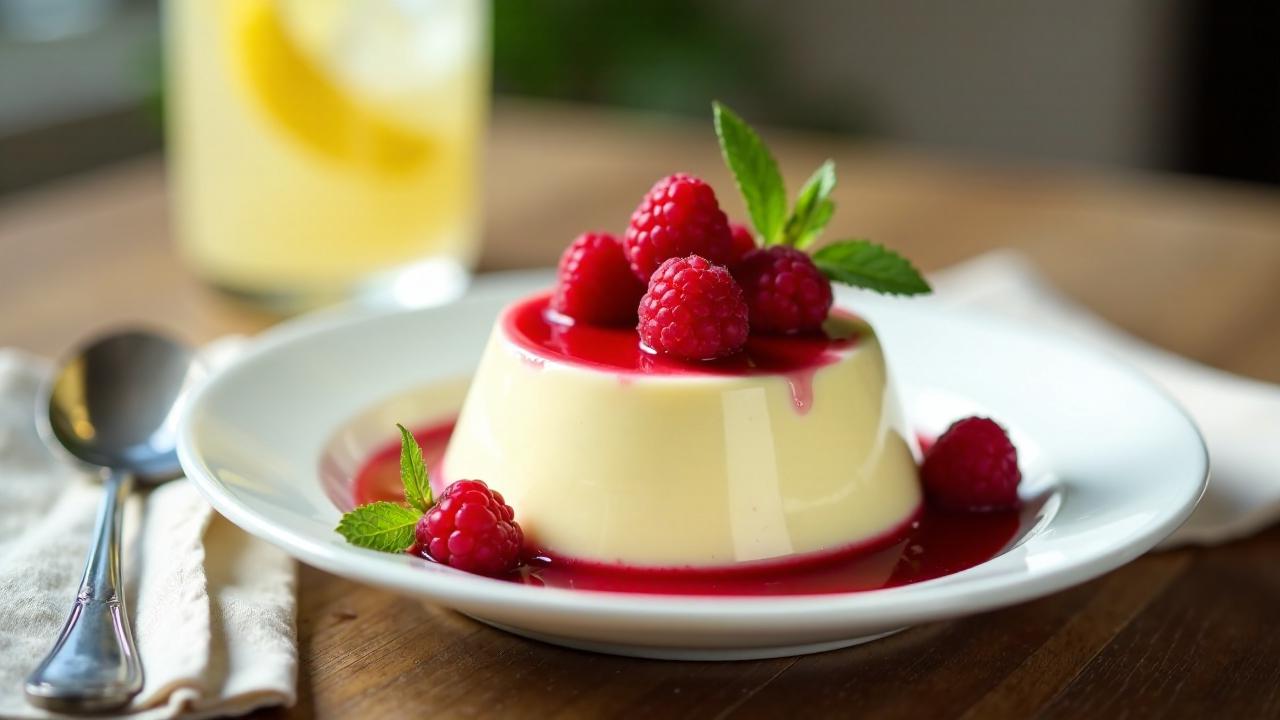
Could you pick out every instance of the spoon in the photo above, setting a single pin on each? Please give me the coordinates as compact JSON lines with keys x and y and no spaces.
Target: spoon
{"x":112,"y":406}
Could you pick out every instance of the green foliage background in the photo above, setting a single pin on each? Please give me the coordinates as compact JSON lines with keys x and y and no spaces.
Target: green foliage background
{"x":666,"y":55}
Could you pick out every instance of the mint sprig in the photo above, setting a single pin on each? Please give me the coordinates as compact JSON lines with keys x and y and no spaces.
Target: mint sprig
{"x":864,"y":264}
{"x":860,"y":263}
{"x":413,"y":472}
{"x":813,"y":209}
{"x":755,"y":171}
{"x":382,"y":525}
{"x":388,"y":526}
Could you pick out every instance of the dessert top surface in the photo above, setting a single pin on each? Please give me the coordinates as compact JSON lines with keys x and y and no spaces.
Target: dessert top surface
{"x":533,"y":327}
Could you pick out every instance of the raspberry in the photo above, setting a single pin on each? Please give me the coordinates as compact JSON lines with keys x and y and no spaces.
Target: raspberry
{"x":743,"y":241}
{"x":679,"y":216}
{"x":785,"y":291}
{"x":471,"y":528}
{"x":693,"y":310}
{"x":972,"y":466}
{"x":596,"y":284}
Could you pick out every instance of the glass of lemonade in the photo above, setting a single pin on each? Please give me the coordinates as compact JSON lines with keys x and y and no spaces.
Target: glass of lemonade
{"x":321,"y":149}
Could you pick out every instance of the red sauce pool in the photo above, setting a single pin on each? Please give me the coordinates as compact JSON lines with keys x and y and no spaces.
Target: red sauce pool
{"x":934,"y":544}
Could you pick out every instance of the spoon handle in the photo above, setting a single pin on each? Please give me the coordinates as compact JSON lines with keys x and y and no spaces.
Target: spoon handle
{"x":94,"y":666}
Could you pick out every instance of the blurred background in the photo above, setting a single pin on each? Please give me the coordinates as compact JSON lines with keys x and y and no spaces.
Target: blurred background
{"x":1180,"y":85}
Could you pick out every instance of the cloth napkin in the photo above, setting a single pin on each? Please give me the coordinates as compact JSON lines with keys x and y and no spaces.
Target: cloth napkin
{"x":212,"y":607}
{"x":1236,"y":415}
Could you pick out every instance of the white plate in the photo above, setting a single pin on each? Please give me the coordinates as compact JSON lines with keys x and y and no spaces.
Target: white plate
{"x":1113,"y":465}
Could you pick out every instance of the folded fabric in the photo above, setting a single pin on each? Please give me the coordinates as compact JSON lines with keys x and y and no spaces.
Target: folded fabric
{"x":212,"y":607}
{"x":1234,"y":414}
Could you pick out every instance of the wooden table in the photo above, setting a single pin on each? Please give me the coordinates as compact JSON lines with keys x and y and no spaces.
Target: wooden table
{"x":1188,"y":264}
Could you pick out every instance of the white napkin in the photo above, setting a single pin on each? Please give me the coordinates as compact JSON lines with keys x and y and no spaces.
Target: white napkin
{"x":1237,"y":416}
{"x":212,"y":607}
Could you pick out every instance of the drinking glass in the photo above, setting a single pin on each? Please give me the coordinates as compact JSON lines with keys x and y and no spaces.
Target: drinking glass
{"x":325,"y":148}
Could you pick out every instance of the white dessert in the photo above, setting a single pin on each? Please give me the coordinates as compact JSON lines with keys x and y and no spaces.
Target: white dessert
{"x":688,"y":470}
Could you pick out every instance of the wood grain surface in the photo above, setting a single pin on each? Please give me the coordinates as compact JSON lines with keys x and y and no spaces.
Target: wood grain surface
{"x":1188,"y":264}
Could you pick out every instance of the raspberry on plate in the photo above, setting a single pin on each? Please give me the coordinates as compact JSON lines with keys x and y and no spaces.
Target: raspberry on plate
{"x":784,"y":290}
{"x":972,"y":466}
{"x":693,"y":310}
{"x":743,"y":240}
{"x":596,"y":284}
{"x":471,"y":528}
{"x":679,"y":216}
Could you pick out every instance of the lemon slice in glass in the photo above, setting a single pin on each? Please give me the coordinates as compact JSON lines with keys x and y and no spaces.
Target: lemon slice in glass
{"x":276,"y":54}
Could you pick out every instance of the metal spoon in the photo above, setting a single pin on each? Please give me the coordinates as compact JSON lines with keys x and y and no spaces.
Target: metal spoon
{"x":111,"y":405}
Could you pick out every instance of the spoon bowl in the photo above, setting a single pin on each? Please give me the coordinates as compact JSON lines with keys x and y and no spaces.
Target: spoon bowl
{"x":115,"y":403}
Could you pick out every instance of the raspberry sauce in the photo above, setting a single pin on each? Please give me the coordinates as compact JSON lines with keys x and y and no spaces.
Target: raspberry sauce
{"x":543,"y":335}
{"x":932,"y":544}
{"x":537,"y":330}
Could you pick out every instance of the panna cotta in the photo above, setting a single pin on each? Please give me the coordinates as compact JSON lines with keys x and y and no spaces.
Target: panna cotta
{"x":685,"y":412}
{"x":613,"y":455}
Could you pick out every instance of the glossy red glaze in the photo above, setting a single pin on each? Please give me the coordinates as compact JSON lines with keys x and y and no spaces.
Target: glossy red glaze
{"x":933,"y":544}
{"x":548,"y":336}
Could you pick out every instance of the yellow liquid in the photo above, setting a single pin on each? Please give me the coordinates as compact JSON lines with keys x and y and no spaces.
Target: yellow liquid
{"x":316,"y":142}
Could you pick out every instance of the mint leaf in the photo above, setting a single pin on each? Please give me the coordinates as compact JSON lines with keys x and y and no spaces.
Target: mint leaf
{"x":384,"y":526}
{"x":813,"y":207}
{"x":755,"y":171}
{"x":413,"y":472}
{"x":864,"y":264}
